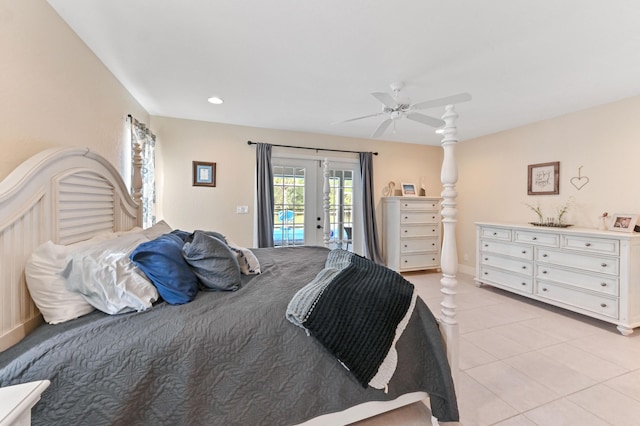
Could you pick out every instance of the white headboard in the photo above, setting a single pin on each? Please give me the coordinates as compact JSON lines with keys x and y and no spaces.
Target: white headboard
{"x":64,"y":195}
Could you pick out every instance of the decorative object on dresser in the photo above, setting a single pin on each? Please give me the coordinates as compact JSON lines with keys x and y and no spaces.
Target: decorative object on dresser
{"x":623,"y":222}
{"x":204,"y":174}
{"x":411,"y":232}
{"x":408,"y":189}
{"x":595,"y":273}
{"x":543,"y":178}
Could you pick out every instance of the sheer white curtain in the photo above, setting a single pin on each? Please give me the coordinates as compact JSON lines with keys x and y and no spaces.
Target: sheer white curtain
{"x":144,"y":141}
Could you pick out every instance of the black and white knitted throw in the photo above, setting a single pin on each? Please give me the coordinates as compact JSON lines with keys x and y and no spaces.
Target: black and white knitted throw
{"x":357,"y":309}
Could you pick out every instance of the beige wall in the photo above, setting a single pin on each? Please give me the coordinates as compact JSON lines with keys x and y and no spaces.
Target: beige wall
{"x":54,"y":91}
{"x":187,"y":207}
{"x":604,"y":141}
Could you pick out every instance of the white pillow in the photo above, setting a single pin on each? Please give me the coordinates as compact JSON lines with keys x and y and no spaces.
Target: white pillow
{"x":107,"y":279}
{"x":46,"y":286}
{"x":249,"y":264}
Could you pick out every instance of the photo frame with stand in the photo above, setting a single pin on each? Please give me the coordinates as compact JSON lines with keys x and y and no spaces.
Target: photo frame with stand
{"x":408,"y":189}
{"x":623,"y":222}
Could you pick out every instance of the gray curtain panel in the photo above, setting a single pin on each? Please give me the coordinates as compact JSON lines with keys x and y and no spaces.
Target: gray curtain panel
{"x":264,"y":207}
{"x":371,"y":240}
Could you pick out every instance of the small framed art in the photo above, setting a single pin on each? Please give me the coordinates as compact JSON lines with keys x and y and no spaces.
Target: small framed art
{"x":543,"y":178}
{"x":623,"y":222}
{"x":204,"y":174}
{"x":408,"y":189}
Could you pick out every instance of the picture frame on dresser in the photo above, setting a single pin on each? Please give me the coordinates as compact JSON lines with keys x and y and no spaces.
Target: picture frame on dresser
{"x":624,"y":222}
{"x":408,"y":189}
{"x":543,"y":178}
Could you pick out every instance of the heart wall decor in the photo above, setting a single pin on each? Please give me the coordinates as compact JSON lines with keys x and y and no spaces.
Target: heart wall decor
{"x":579,"y":181}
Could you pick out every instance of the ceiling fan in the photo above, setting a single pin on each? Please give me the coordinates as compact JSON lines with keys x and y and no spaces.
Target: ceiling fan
{"x":395,"y":107}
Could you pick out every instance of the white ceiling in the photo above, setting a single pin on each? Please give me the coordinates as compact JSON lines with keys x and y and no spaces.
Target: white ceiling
{"x":305,"y":64}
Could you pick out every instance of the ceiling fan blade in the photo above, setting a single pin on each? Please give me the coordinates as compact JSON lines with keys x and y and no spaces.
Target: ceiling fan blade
{"x":381,"y":128}
{"x":454,"y":99}
{"x":359,"y":118}
{"x":385,"y":98}
{"x":425,"y":119}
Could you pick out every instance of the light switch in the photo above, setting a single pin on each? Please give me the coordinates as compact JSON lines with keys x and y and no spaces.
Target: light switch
{"x":242,"y":209}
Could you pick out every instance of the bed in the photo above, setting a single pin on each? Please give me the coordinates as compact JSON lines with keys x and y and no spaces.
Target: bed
{"x":225,"y":357}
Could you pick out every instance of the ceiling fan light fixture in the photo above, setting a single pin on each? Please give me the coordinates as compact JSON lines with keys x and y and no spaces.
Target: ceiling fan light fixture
{"x":440,"y":131}
{"x":215,"y":100}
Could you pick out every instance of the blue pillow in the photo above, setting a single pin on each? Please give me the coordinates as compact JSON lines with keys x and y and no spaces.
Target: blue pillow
{"x":162,"y":262}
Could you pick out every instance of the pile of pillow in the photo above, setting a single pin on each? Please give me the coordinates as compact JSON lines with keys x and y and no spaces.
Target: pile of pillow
{"x":127,"y":272}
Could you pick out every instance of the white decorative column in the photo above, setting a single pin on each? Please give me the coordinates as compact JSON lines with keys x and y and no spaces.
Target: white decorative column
{"x":326,"y":227}
{"x":449,"y":259}
{"x":136,"y":180}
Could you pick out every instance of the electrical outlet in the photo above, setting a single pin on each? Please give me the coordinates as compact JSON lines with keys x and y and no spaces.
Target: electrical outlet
{"x":242,"y":209}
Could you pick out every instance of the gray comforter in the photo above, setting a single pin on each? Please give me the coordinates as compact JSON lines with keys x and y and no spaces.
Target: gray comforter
{"x":226,"y":358}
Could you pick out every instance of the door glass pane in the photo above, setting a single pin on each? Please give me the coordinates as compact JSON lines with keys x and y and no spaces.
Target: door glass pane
{"x":288,"y":190}
{"x":341,"y":209}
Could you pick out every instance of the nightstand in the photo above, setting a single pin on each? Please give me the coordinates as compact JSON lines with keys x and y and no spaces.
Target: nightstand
{"x":16,"y":402}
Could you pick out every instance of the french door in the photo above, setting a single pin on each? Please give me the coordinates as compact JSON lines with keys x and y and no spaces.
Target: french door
{"x":298,"y":203}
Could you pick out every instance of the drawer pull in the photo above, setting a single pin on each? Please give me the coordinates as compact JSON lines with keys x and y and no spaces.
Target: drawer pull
{"x":544,"y":289}
{"x":604,"y":265}
{"x":405,"y":246}
{"x":603,"y":284}
{"x":433,"y":217}
{"x":486,"y":245}
{"x":406,"y":217}
{"x":587,"y":244}
{"x":544,"y":272}
{"x":486,"y":258}
{"x":406,"y":261}
{"x":524,"y":267}
{"x":603,"y":305}
{"x":486,"y":273}
{"x":534,"y":238}
{"x":405,"y":231}
{"x":524,"y":283}
{"x":545,"y":255}
{"x":524,"y":252}
{"x":406,"y":205}
{"x":495,"y":233}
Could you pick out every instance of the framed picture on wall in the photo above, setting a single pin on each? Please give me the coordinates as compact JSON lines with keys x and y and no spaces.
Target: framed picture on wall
{"x":204,"y":174}
{"x":623,"y":222}
{"x":408,"y":189}
{"x":543,"y":178}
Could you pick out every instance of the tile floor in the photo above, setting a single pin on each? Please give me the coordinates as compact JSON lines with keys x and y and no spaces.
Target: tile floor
{"x":525,"y":363}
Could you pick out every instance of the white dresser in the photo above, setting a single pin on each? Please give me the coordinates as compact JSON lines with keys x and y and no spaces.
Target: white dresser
{"x":595,"y":273}
{"x":411,"y":233}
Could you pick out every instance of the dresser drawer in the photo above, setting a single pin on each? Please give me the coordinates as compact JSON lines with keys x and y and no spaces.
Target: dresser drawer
{"x":513,"y":250}
{"x":495,"y":233}
{"x":419,"y":230}
{"x":601,"y":264}
{"x":420,"y":205}
{"x":593,"y":245}
{"x":504,"y":278}
{"x":599,"y":304}
{"x":408,"y":245}
{"x":540,"y":238}
{"x":419,"y":217}
{"x":514,"y":265}
{"x":421,"y":260}
{"x":598,"y":283}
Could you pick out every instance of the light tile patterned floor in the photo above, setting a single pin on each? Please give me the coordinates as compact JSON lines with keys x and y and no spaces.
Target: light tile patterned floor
{"x":525,"y":363}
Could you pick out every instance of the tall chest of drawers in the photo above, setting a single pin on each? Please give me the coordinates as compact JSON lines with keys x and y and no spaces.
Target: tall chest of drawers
{"x":411,"y":233}
{"x":595,"y":273}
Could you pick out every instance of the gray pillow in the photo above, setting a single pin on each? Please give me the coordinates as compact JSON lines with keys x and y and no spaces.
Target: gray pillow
{"x":213,"y":262}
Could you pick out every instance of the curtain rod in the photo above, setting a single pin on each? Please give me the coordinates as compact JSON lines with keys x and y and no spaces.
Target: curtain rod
{"x":314,"y":149}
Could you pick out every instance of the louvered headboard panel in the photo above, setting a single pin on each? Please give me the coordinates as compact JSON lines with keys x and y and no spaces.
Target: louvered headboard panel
{"x":64,"y":195}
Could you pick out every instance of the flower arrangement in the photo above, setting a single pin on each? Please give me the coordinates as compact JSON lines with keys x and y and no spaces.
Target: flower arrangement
{"x":562,"y":210}
{"x":537,"y":210}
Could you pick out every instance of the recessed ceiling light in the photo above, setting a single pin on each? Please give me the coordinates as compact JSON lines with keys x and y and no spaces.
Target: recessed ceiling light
{"x":215,"y":100}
